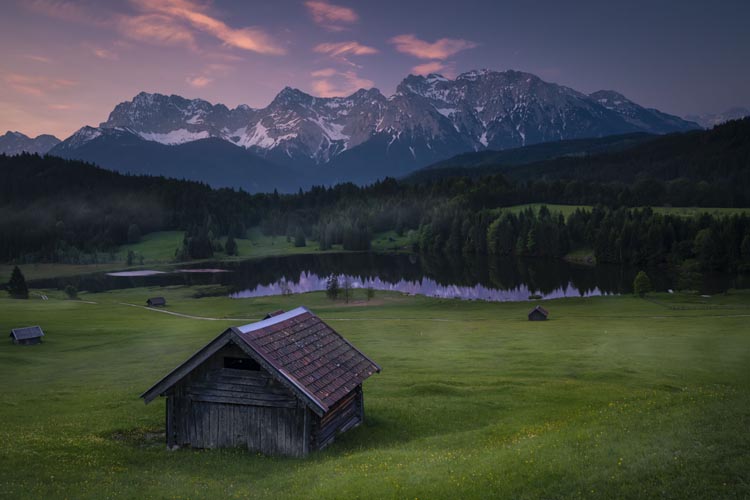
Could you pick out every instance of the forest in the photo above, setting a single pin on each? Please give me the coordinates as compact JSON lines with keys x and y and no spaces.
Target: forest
{"x":59,"y":210}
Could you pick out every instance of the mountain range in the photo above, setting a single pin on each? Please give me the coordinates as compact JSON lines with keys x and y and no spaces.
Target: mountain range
{"x":299,"y":139}
{"x":13,"y":143}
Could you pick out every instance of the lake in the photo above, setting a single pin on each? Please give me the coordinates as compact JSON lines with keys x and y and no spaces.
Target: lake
{"x":469,"y":279}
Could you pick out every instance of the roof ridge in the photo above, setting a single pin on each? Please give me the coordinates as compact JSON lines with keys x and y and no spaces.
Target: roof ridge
{"x":258,"y":325}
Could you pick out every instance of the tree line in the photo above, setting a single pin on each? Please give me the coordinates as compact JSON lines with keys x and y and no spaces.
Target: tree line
{"x":69,"y":211}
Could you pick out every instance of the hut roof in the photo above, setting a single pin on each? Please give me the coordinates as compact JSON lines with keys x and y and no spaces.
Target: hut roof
{"x":28,"y":332}
{"x":159,"y":301}
{"x":541,"y":310}
{"x":274,"y":313}
{"x":297,"y":348}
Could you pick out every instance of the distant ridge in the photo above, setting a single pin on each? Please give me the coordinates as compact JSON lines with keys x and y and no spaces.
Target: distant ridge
{"x":13,"y":143}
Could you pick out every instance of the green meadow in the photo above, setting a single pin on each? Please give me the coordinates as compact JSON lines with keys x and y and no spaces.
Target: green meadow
{"x":613,"y":397}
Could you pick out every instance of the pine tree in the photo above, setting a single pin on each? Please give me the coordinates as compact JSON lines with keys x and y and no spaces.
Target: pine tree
{"x":17,"y":285}
{"x":231,"y":246}
{"x":299,"y":238}
{"x":332,"y":287}
{"x":641,"y":284}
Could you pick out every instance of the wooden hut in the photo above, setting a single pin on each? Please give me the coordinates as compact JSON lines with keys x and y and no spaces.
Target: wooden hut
{"x":156,"y":302}
{"x":538,"y":314}
{"x":273,"y":313}
{"x":287,"y":385}
{"x":29,"y":335}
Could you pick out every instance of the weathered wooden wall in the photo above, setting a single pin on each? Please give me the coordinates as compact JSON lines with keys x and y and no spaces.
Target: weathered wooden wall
{"x":32,"y":341}
{"x":216,"y":407}
{"x":346,"y":414}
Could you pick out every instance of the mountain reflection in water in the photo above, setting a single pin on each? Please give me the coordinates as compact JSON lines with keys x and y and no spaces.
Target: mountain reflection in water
{"x":461,"y":277}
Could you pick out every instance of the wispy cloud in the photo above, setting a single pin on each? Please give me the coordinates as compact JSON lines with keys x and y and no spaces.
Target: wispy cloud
{"x":156,"y":29}
{"x":331,"y":17}
{"x":104,"y":54}
{"x":439,"y":49}
{"x":199,"y":81}
{"x":61,"y":107}
{"x":343,"y":49}
{"x":37,"y":86}
{"x":197,"y":18}
{"x":37,"y":58}
{"x":80,"y":12}
{"x":163,"y":22}
{"x":329,"y":82}
{"x":430,"y":67}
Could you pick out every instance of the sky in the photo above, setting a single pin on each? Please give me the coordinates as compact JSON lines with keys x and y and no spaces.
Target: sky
{"x":67,"y":63}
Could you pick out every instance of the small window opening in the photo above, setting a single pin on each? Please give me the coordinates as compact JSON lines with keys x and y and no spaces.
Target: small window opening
{"x":241,"y":364}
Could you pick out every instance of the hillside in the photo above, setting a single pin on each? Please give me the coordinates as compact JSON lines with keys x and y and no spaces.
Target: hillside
{"x":472,"y":164}
{"x":720,"y":156}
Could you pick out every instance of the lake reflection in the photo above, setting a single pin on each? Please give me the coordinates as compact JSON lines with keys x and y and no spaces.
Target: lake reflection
{"x":310,"y":282}
{"x":475,"y":278}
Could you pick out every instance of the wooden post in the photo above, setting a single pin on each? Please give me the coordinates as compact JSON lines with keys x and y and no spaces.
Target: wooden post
{"x":170,"y":422}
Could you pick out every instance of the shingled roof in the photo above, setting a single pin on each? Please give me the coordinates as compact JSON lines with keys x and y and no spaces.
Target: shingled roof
{"x":29,"y":332}
{"x":299,"y":349}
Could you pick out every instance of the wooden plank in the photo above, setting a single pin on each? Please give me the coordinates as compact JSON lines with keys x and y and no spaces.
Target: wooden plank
{"x":204,"y":398}
{"x":249,"y":389}
{"x":170,"y":421}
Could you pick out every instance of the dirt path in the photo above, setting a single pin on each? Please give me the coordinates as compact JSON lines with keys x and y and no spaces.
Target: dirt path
{"x":188,"y":316}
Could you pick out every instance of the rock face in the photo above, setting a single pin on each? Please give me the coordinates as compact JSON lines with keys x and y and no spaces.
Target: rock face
{"x":13,"y":143}
{"x":366,"y":135}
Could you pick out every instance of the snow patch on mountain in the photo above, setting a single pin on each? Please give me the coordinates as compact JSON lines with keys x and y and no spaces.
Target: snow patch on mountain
{"x":179,"y":136}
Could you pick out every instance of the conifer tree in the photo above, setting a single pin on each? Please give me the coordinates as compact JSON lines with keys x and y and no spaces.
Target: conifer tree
{"x":17,"y":285}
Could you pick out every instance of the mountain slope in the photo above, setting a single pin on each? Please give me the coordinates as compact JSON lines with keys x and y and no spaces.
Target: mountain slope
{"x":648,"y":120}
{"x":481,"y":162}
{"x":213,"y":161}
{"x":13,"y":143}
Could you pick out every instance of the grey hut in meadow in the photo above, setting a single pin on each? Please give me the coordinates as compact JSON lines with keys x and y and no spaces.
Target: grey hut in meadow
{"x":29,"y":335}
{"x":156,"y":302}
{"x":287,"y":385}
{"x":538,"y":314}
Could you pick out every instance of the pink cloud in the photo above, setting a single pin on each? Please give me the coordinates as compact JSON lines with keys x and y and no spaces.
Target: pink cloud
{"x":331,"y":16}
{"x":427,"y":68}
{"x":199,"y":81}
{"x":341,"y":49}
{"x":324,"y":73}
{"x":331,"y":83}
{"x":105,"y":54}
{"x":70,"y":11}
{"x":61,"y":107}
{"x":36,"y":86}
{"x":439,"y":49}
{"x":157,"y":29}
{"x":248,"y":38}
{"x":41,"y":59}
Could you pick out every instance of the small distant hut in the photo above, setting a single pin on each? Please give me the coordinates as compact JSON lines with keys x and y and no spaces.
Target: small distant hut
{"x":156,"y":302}
{"x":29,"y":335}
{"x":538,"y":314}
{"x":273,"y":313}
{"x":287,"y":385}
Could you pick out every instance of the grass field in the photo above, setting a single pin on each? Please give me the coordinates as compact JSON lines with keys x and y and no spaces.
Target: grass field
{"x":614,"y":397}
